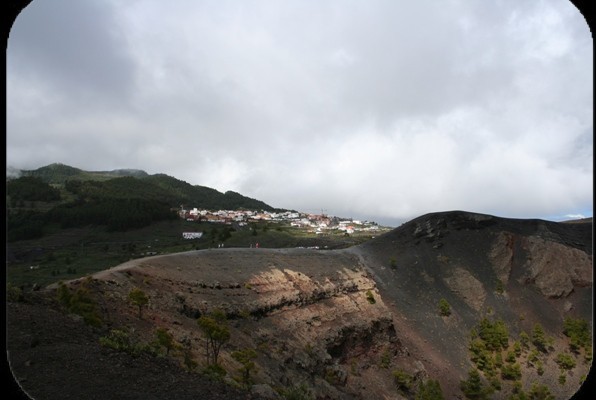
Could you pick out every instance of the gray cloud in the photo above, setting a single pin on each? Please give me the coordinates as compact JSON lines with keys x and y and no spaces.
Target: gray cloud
{"x":72,"y":52}
{"x":382,"y":109}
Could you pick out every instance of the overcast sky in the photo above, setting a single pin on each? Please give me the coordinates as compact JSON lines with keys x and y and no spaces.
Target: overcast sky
{"x":376,"y":109}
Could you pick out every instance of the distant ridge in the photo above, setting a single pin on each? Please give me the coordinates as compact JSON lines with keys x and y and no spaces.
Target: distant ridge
{"x":54,"y":173}
{"x":136,"y":183}
{"x":59,"y":173}
{"x":437,"y":225}
{"x":587,"y":220}
{"x":139,"y":173}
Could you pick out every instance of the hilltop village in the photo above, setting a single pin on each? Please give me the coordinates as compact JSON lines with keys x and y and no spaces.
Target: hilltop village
{"x":316,"y":223}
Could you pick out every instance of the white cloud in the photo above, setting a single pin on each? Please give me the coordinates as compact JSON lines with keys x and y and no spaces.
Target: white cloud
{"x":383,"y":108}
{"x":575,"y":216}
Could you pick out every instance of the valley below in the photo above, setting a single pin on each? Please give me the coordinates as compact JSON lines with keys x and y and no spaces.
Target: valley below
{"x":400,"y":316}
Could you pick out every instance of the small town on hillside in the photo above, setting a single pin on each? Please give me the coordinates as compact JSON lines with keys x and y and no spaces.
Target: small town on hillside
{"x":316,"y":223}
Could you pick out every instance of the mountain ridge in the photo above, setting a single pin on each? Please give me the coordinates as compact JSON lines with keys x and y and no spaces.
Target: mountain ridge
{"x":181,"y":192}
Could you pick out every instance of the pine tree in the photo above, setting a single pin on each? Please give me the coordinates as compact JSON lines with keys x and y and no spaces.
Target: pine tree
{"x":217,"y":333}
{"x":473,"y":387}
{"x":139,"y":299}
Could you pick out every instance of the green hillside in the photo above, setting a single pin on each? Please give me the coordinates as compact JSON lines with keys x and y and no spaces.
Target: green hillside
{"x":204,"y":197}
{"x":59,"y":196}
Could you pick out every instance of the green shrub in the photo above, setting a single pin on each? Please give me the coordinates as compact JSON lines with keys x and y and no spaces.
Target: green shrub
{"x":533,"y":356}
{"x":245,"y":358}
{"x":511,"y":371}
{"x":117,"y":339}
{"x":331,"y":376}
{"x":121,"y":340}
{"x":539,"y":338}
{"x":14,"y":293}
{"x":386,"y":359}
{"x":486,"y":364}
{"x":517,"y":387}
{"x":517,"y":349}
{"x":495,"y":383}
{"x":214,"y":371}
{"x":494,"y":334}
{"x":165,"y":339}
{"x":444,"y":308}
{"x":80,"y":303}
{"x":473,"y":388}
{"x":370,"y":297}
{"x":402,"y":380}
{"x":393,"y":263}
{"x":298,"y":392}
{"x":139,"y":299}
{"x":481,"y":356}
{"x":539,"y":368}
{"x":429,"y":390}
{"x":510,"y":357}
{"x":540,"y":392}
{"x":188,"y":360}
{"x":578,"y":331}
{"x":499,"y":287}
{"x":524,"y":340}
{"x":565,"y":361}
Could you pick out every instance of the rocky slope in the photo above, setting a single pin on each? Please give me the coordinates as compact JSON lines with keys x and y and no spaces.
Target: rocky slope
{"x":339,"y":324}
{"x":522,"y":271}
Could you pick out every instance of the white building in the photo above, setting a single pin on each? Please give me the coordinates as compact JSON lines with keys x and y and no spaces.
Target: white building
{"x":192,"y":235}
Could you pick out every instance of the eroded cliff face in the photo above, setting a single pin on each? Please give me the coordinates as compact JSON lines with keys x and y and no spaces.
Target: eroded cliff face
{"x":557,"y":269}
{"x":553,"y":268}
{"x":314,"y":317}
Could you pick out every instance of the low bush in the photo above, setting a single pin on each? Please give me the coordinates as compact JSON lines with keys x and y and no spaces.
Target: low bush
{"x":444,"y":308}
{"x":578,"y":331}
{"x":511,"y":372}
{"x":14,"y":293}
{"x":80,"y":303}
{"x":565,"y":361}
{"x":539,"y":338}
{"x":403,"y":380}
{"x":122,"y":340}
{"x":429,"y":390}
{"x":538,"y":391}
{"x":214,"y":371}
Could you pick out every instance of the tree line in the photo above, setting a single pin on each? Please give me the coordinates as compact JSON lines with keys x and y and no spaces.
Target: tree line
{"x":119,"y":204}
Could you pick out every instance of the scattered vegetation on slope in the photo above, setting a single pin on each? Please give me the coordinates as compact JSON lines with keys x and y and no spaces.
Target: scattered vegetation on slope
{"x":498,"y":359}
{"x":80,"y":302}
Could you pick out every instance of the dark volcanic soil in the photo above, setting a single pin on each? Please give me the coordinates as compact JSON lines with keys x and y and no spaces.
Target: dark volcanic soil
{"x":45,"y":359}
{"x":309,"y":314}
